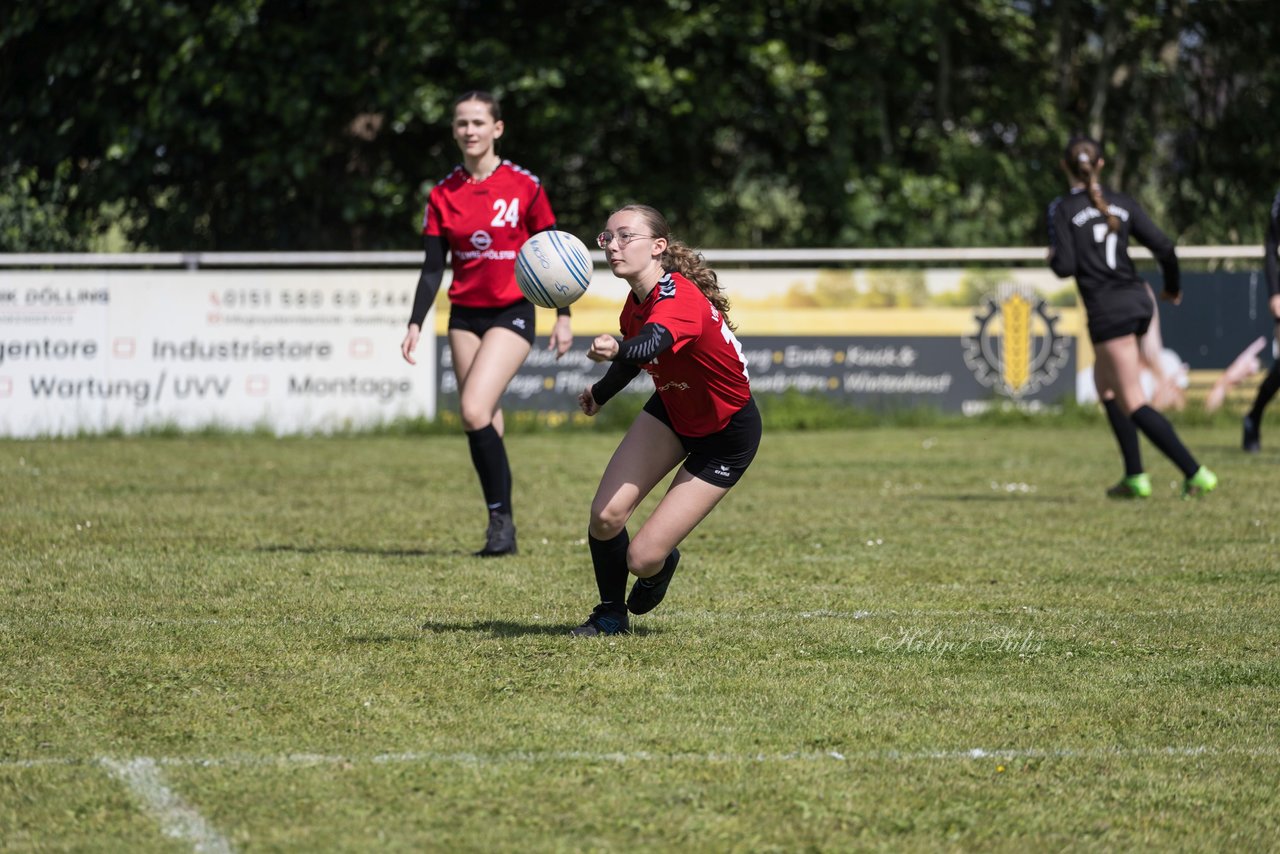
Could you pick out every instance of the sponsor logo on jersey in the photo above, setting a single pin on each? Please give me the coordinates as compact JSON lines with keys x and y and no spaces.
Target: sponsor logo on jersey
{"x":1016,"y":349}
{"x":674,"y":386}
{"x":481,"y":239}
{"x":488,"y":255}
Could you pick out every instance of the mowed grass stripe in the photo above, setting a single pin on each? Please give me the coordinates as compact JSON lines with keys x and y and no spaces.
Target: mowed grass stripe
{"x":871,"y":594}
{"x":133,"y":770}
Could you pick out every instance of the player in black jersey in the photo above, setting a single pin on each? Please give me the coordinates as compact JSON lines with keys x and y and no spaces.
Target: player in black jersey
{"x":1089,"y":230}
{"x":1252,"y":441}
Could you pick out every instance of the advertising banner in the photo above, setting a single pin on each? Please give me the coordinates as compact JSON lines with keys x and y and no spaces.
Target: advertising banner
{"x":282,"y":351}
{"x":301,"y":351}
{"x":951,"y":339}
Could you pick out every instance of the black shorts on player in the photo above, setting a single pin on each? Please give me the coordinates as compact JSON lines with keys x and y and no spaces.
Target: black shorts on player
{"x":518,"y":317}
{"x":720,"y":458}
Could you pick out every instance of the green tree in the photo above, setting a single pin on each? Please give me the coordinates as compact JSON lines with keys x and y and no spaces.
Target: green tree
{"x":314,"y":124}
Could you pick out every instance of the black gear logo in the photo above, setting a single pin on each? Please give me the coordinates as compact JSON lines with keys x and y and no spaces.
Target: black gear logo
{"x":1021,"y":364}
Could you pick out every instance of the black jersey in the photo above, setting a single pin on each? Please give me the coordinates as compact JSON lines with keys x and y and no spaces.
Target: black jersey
{"x":1273,"y":247}
{"x":1082,"y":246}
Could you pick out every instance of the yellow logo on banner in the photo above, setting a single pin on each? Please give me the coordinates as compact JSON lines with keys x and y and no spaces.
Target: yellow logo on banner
{"x":1016,"y":349}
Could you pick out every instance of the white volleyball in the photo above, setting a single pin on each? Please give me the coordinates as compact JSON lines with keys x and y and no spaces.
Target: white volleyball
{"x":553,"y":269}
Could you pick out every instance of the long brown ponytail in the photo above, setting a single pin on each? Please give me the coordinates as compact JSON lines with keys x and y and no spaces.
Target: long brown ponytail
{"x":684,"y":260}
{"x":1082,"y":158}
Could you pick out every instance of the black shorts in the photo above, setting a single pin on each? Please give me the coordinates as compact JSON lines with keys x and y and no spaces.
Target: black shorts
{"x":1107,"y":329}
{"x":719,"y":458}
{"x":518,"y":317}
{"x":1118,"y":312}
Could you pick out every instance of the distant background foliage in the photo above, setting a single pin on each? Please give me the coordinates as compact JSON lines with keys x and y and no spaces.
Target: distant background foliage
{"x":315,"y":125}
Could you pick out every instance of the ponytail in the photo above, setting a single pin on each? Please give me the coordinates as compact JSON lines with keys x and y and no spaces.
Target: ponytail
{"x":693,"y":267}
{"x":1082,"y":163}
{"x":679,"y":258}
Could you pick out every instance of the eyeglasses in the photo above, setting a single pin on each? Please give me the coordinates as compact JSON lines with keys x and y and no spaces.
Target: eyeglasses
{"x":604,"y":238}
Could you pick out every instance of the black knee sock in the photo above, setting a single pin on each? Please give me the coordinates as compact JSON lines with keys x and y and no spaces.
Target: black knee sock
{"x":506,"y":481}
{"x":489,"y":456}
{"x":1126,"y":435}
{"x":1158,"y":429}
{"x":609,"y":559}
{"x":1266,"y":391}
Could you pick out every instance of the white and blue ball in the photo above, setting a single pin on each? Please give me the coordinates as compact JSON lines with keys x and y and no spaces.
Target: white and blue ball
{"x":553,"y":269}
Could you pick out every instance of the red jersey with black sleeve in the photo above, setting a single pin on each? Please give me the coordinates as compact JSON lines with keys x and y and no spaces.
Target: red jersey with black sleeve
{"x":486,"y":223}
{"x":702,"y":379}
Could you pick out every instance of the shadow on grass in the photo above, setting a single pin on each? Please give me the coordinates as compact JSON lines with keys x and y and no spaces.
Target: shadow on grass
{"x":1000,"y":496}
{"x":381,"y":640}
{"x":357,"y":550}
{"x":509,"y":629}
{"x":1232,"y":450}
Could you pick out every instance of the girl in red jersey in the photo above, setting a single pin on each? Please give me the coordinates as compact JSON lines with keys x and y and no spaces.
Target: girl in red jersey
{"x":676,"y":328}
{"x":1089,"y":231}
{"x":481,"y":214}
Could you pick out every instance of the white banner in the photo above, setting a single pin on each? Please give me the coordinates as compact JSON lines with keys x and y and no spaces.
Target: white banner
{"x":290,"y":352}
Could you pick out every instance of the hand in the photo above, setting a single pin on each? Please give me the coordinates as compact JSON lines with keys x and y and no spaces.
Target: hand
{"x":561,"y":336}
{"x":588,"y":402}
{"x":603,"y":349}
{"x":410,"y":343}
{"x":1176,"y":299}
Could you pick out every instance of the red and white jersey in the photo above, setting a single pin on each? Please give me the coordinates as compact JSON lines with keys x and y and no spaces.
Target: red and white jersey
{"x":702,"y":379}
{"x":486,"y":223}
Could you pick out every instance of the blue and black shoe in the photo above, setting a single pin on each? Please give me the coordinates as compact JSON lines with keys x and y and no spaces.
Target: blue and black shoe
{"x":605,"y":619}
{"x":648,"y":593}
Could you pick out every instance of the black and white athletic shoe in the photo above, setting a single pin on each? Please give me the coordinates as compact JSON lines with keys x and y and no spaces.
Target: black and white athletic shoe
{"x":500,"y":539}
{"x":605,"y":619}
{"x":648,"y":593}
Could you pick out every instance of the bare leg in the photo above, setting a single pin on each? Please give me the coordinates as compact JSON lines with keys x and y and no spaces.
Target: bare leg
{"x":1117,"y":371}
{"x":646,"y":454}
{"x":1165,"y":393}
{"x":687,"y":503}
{"x":484,"y":367}
{"x":1118,"y":365}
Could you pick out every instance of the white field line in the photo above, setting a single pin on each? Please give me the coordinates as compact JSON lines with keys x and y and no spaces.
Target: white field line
{"x":146,"y":781}
{"x":178,"y":819}
{"x":149,"y":769}
{"x":833,"y":756}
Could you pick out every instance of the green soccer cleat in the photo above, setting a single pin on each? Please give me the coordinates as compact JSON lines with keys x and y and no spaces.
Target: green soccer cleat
{"x":1201,"y":483}
{"x":1133,"y":486}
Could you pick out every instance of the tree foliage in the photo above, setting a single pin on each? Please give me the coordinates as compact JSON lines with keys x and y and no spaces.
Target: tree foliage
{"x":313,"y":124}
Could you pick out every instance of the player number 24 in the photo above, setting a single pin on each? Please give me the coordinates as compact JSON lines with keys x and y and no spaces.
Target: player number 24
{"x":507,"y":213}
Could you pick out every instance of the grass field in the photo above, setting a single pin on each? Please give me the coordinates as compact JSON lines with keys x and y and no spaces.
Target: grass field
{"x":938,"y":637}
